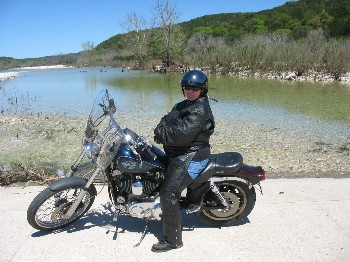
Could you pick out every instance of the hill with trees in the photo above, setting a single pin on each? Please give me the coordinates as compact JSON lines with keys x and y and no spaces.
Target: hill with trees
{"x":300,"y":36}
{"x":295,"y":18}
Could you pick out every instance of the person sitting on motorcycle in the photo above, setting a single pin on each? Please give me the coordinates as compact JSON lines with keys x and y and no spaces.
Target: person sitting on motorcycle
{"x":184,"y":134}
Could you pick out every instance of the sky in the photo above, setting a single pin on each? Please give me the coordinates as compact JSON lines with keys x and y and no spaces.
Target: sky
{"x":40,"y":28}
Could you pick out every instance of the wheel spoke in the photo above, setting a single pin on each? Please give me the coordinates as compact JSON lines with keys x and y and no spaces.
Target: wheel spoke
{"x":51,"y":213}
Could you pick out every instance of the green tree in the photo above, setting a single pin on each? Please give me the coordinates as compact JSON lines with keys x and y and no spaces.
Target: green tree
{"x":340,"y":10}
{"x":293,"y":23}
{"x":277,"y":20}
{"x":220,"y":31}
{"x":207,"y":30}
{"x":255,"y":25}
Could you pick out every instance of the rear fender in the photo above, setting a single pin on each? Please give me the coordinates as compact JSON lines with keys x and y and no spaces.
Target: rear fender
{"x":254,"y":174}
{"x":249,"y":178}
{"x":231,"y":178}
{"x":67,"y":182}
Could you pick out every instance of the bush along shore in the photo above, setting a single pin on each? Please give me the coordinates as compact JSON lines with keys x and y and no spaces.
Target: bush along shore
{"x":42,"y":148}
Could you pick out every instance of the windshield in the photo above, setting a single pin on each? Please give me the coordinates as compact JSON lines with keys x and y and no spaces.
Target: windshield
{"x":102,"y":108}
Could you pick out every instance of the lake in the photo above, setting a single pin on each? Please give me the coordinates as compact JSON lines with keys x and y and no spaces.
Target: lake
{"x":303,"y":106}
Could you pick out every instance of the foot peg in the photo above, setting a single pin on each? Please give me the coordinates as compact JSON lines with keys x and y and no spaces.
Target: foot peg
{"x":193,"y":208}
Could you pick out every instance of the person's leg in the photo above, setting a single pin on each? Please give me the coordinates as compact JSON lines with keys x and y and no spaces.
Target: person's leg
{"x":176,"y":180}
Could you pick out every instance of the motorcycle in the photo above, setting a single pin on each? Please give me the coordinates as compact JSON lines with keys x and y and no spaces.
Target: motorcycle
{"x":222,"y":195}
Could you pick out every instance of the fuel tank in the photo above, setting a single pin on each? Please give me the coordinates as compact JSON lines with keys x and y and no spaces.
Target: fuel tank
{"x":130,"y":163}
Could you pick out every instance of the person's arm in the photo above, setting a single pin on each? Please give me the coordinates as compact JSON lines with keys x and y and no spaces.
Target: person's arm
{"x":184,"y":130}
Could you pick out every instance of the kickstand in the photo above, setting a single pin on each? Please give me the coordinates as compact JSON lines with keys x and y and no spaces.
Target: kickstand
{"x":143,"y":234}
{"x":115,"y":216}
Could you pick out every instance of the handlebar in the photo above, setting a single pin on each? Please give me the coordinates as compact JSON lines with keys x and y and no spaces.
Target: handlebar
{"x":151,"y":154}
{"x":148,"y":148}
{"x":140,"y":146}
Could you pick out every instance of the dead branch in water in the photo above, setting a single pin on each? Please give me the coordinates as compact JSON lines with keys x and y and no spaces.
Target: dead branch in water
{"x":27,"y":174}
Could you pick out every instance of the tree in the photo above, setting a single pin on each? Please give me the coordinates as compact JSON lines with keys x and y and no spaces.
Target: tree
{"x":137,"y":36}
{"x":87,"y":46}
{"x":255,"y":25}
{"x":207,"y":30}
{"x":220,"y":31}
{"x":168,"y":38}
{"x":200,"y":43}
{"x":88,"y":51}
{"x":340,"y":10}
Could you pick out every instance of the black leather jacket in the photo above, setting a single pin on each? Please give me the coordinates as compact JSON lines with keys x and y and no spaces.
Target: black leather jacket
{"x":187,"y":129}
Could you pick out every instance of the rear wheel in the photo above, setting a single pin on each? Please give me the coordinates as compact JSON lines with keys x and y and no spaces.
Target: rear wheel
{"x":47,"y":210}
{"x":241,"y":200}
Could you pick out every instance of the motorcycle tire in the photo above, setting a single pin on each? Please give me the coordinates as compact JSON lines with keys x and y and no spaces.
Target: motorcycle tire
{"x":46,"y":212}
{"x":241,"y":201}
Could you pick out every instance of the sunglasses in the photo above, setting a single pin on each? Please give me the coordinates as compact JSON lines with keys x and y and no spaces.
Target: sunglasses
{"x":193,"y":88}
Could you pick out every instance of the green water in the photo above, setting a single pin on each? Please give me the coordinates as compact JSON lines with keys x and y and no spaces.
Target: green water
{"x":329,"y":101}
{"x":71,"y":91}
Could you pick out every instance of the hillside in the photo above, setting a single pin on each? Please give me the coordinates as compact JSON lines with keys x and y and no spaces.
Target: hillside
{"x":65,"y":59}
{"x":295,"y":18}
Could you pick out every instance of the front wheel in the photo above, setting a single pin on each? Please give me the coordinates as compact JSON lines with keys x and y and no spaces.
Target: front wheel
{"x":241,"y":200}
{"x":47,"y":210}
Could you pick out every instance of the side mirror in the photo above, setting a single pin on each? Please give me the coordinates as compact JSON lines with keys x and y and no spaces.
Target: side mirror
{"x":112,"y":107}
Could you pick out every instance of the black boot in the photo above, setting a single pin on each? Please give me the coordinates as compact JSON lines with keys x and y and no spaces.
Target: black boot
{"x":164,"y":246}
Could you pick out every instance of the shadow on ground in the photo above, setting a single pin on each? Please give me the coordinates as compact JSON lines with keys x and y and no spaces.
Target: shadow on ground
{"x":103,"y":217}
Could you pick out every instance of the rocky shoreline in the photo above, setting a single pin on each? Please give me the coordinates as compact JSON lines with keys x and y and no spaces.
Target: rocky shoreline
{"x":50,"y":144}
{"x":8,"y":75}
{"x":311,"y":76}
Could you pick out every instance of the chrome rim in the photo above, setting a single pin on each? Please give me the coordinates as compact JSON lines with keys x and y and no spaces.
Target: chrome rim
{"x":51,"y":213}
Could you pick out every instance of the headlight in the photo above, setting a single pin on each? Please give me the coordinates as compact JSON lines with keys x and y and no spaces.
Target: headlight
{"x":92,"y":150}
{"x":128,"y":138}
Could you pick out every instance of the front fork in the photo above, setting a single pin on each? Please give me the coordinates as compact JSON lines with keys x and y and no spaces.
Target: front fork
{"x":81,"y":195}
{"x":74,"y":167}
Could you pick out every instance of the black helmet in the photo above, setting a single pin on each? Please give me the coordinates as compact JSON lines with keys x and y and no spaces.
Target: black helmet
{"x":196,"y":79}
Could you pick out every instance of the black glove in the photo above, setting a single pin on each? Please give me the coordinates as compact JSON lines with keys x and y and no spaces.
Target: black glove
{"x":158,"y":129}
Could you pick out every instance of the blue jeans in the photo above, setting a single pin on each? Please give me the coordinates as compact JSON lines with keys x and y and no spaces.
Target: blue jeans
{"x":196,"y":167}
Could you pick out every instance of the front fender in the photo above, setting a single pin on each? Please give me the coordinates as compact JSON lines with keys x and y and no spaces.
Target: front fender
{"x":67,"y":182}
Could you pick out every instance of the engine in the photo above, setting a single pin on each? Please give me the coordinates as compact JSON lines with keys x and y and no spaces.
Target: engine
{"x":138,"y":195}
{"x":144,"y":208}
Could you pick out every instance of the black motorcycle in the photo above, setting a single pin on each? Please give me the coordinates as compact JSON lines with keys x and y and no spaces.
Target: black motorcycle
{"x":222,"y":195}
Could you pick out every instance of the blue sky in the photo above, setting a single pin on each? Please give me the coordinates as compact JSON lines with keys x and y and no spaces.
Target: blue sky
{"x":47,"y":27}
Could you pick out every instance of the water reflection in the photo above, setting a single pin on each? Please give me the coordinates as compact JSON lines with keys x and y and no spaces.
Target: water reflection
{"x":72,"y":90}
{"x":316,"y":100}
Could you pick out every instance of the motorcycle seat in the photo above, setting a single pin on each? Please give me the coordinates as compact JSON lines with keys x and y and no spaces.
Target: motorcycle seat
{"x":221,"y":164}
{"x":227,"y":162}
